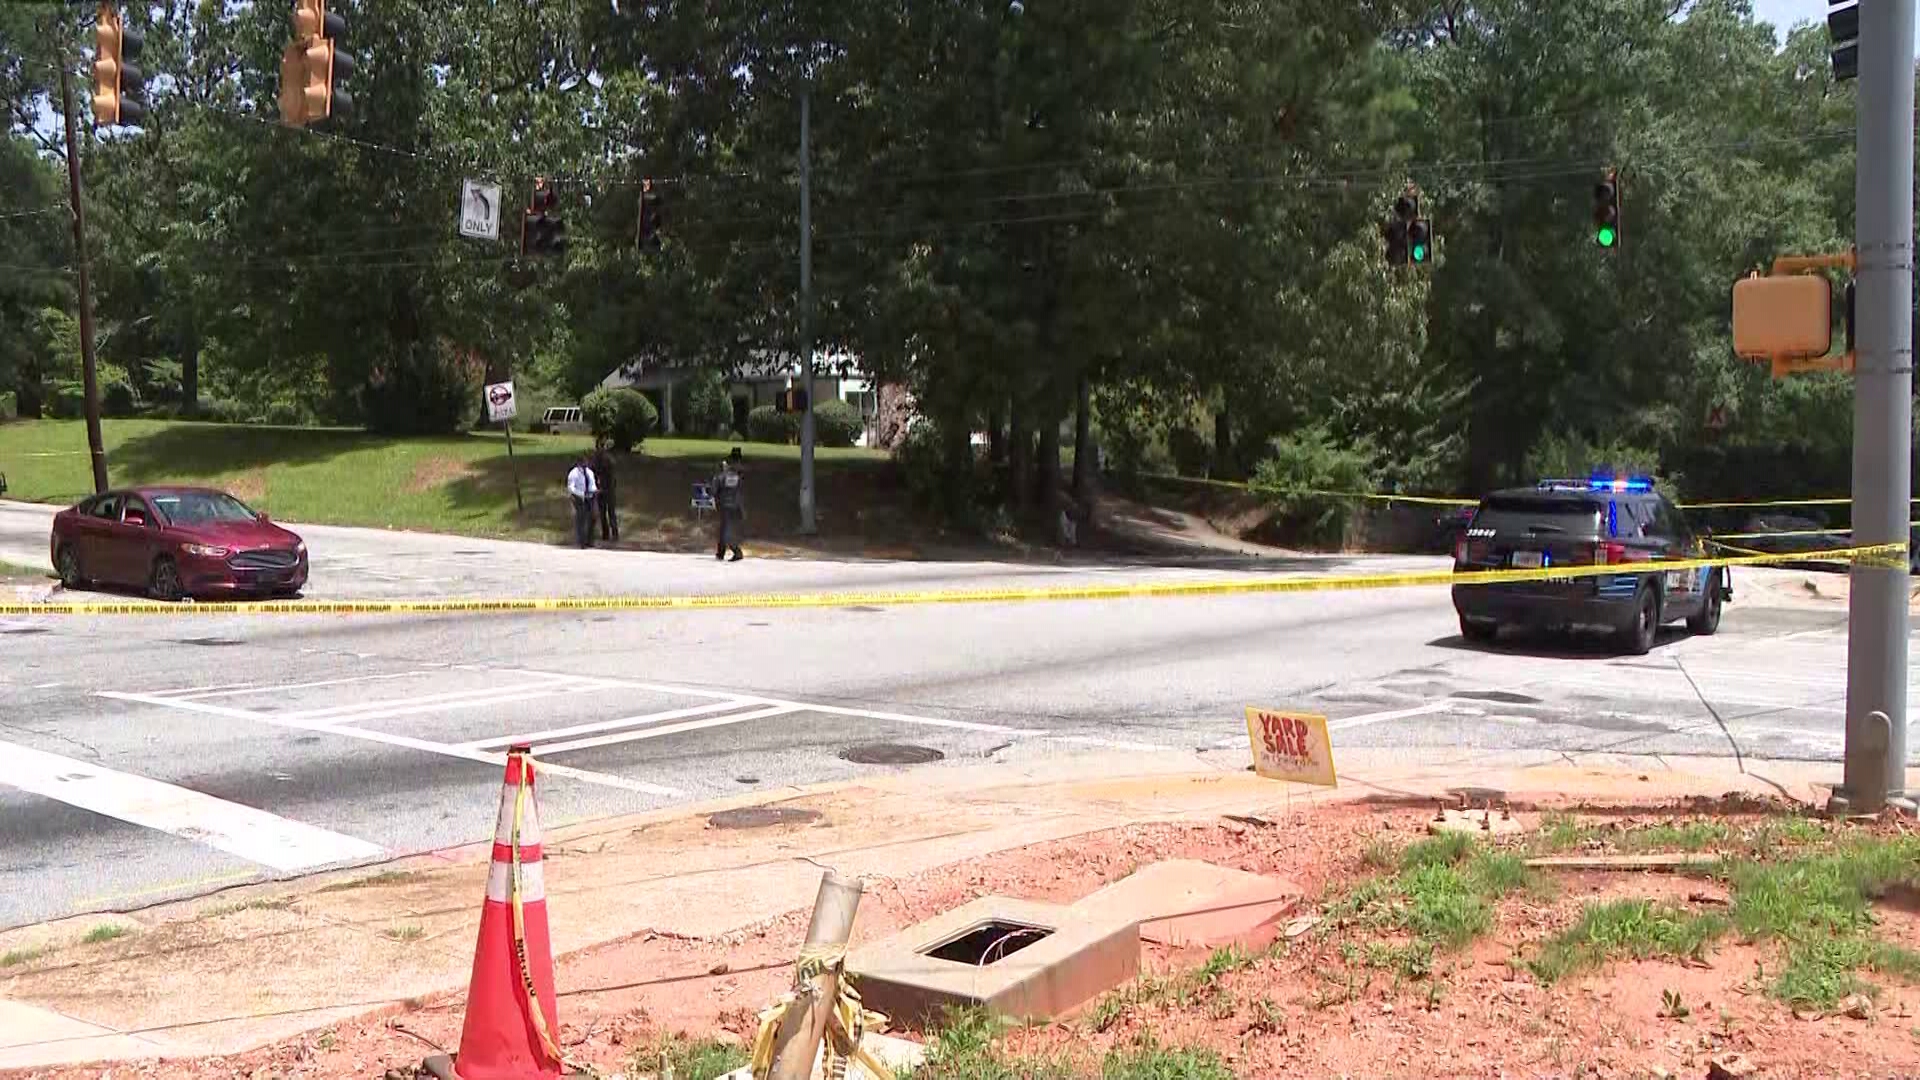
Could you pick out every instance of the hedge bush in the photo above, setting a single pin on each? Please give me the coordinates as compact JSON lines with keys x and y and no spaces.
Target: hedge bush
{"x":622,"y":416}
{"x":766,"y":425}
{"x":836,"y":423}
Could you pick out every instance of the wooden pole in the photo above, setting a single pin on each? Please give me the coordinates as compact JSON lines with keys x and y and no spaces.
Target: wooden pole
{"x":90,"y":382}
{"x":801,"y":1030}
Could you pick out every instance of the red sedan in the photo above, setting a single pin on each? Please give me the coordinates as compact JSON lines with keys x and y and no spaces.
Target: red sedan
{"x":176,"y":542}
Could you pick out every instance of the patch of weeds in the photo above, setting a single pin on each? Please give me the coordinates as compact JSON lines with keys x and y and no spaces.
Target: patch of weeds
{"x":324,"y":1041}
{"x":1671,"y":1007}
{"x":1146,"y":1059}
{"x":1268,"y":1017}
{"x":106,"y":932}
{"x":1381,"y":854}
{"x":384,"y":877}
{"x":1776,"y":832}
{"x":966,"y":1047}
{"x":14,"y":957}
{"x":1560,"y":831}
{"x":409,"y":932}
{"x":1677,"y":836}
{"x":1823,"y":893}
{"x":1222,"y":961}
{"x":1445,"y":849}
{"x":1636,"y":928}
{"x":1410,"y":960}
{"x":688,"y":1059}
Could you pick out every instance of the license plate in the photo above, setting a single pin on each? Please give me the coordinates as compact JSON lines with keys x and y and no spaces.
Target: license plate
{"x":1525,"y":560}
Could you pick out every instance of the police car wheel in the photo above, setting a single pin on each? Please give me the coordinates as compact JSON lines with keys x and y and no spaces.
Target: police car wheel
{"x":1639,"y":636}
{"x":1480,"y":631}
{"x":1708,"y":620}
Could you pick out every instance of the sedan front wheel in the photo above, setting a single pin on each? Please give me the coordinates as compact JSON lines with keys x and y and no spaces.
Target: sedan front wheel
{"x":164,"y":583}
{"x":67,"y":564}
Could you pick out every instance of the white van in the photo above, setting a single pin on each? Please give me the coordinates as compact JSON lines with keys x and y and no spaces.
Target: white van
{"x":564,"y":420}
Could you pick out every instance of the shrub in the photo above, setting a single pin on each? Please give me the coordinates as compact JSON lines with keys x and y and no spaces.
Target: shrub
{"x":836,"y":423}
{"x":66,"y":400}
{"x":118,"y":399}
{"x":766,"y":425}
{"x":622,"y":416}
{"x":702,"y":407}
{"x":1294,"y":478}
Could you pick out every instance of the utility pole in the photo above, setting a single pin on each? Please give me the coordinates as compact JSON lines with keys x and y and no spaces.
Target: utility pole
{"x":87,"y":373}
{"x":808,"y":526}
{"x":1876,"y":755}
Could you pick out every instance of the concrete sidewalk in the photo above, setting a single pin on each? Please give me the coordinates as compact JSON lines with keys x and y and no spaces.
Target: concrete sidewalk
{"x":230,"y":972}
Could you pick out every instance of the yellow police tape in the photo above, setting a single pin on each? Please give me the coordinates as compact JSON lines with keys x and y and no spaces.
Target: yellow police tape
{"x":1884,"y":555}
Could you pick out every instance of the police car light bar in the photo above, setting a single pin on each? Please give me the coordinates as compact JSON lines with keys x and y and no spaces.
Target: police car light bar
{"x":1602,"y":483}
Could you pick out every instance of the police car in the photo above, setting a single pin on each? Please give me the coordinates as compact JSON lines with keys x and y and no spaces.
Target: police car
{"x":1600,"y":521}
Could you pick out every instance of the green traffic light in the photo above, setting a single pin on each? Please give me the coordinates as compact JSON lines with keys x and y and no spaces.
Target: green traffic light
{"x":1605,"y":236}
{"x":1419,"y":253}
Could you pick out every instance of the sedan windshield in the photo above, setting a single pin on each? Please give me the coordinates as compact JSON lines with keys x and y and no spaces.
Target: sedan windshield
{"x":201,"y":508}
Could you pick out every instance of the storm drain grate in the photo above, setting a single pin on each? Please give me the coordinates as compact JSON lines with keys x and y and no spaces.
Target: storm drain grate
{"x":987,"y":943}
{"x":890,"y":754}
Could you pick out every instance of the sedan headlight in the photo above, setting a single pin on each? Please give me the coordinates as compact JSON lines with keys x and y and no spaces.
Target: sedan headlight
{"x":300,"y":548}
{"x":205,"y":551}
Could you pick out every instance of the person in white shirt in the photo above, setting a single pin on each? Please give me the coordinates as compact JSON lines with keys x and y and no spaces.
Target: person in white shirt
{"x":582,"y":487}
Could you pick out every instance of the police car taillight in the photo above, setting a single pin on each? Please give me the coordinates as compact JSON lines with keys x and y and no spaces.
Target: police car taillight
{"x":1608,"y":552}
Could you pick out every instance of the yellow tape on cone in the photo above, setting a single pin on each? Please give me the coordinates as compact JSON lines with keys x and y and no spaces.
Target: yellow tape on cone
{"x":520,"y":922}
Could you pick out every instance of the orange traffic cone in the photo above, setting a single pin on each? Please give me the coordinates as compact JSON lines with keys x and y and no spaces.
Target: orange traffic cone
{"x":511,"y":1016}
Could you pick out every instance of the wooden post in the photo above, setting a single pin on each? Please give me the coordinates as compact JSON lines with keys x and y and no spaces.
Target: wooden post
{"x":801,"y":1030}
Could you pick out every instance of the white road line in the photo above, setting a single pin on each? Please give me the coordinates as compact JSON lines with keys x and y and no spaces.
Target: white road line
{"x":450,"y":698}
{"x":47,"y":685}
{"x":1346,"y":723}
{"x":253,"y":835}
{"x":903,"y":718}
{"x":609,"y":725}
{"x":543,"y":693}
{"x":182,"y":690}
{"x":235,"y":689}
{"x":389,"y":739}
{"x":664,"y":729}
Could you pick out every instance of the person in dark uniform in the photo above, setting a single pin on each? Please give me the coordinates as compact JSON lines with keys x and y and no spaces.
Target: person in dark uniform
{"x":603,"y":478}
{"x":730,"y":500}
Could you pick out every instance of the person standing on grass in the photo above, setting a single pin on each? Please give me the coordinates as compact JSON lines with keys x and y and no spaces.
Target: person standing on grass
{"x":730,"y":499}
{"x":603,"y":479}
{"x":581,"y":488}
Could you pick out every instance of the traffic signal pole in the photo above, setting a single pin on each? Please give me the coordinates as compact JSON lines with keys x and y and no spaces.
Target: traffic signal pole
{"x":1876,"y":746}
{"x":89,"y":377}
{"x":808,"y":526}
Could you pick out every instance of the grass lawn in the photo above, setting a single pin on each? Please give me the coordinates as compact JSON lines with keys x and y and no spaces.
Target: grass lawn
{"x":454,"y":483}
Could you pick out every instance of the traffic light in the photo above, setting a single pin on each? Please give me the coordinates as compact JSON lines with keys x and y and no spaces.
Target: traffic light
{"x":1849,"y":317}
{"x":1843,"y":38}
{"x":1399,"y":229}
{"x":1420,"y":241}
{"x":1606,"y":210}
{"x":118,"y":84}
{"x":314,"y":67}
{"x":652,"y":215}
{"x":541,"y":230}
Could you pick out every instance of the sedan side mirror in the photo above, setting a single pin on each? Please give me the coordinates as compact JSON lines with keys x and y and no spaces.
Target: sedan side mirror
{"x":264,"y":519}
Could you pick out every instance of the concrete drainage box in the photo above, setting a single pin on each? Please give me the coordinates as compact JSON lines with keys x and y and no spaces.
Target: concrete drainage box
{"x":1016,"y":958}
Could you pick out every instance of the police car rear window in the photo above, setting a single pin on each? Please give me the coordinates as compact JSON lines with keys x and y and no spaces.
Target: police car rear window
{"x":1522,"y":515}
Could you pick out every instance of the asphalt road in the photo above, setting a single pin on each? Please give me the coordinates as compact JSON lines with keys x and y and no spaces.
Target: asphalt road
{"x":149,"y":758}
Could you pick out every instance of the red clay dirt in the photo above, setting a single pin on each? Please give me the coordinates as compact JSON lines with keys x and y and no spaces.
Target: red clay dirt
{"x":1286,"y":1014}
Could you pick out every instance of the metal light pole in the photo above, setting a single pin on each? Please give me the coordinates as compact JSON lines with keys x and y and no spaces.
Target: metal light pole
{"x":808,"y":526}
{"x":89,"y":378}
{"x":1876,"y":754}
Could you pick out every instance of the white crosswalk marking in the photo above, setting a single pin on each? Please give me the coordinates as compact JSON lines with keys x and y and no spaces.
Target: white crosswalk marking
{"x":251,"y":834}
